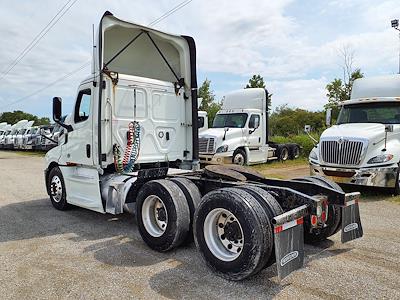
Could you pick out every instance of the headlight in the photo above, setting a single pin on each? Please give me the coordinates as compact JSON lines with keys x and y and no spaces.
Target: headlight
{"x":380,"y":159}
{"x":313,"y":155}
{"x":223,"y":148}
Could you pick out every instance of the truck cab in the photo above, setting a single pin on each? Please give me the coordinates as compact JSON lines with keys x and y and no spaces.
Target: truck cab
{"x":239,"y":133}
{"x":363,"y":147}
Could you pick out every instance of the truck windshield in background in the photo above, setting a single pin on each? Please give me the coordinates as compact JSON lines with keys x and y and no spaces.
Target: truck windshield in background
{"x":381,"y":112}
{"x":230,"y":120}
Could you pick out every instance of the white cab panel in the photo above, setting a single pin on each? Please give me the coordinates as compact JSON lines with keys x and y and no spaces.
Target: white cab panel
{"x":83,"y":187}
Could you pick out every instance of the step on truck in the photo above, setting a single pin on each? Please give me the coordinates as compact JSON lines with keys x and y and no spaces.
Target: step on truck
{"x":239,"y":133}
{"x":131,"y":144}
{"x":363,"y":147}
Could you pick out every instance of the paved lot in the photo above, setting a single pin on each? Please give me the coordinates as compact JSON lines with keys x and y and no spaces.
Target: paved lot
{"x":48,"y":254}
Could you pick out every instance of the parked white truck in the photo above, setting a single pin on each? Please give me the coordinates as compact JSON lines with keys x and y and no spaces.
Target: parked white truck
{"x":132,"y":143}
{"x":363,"y":148}
{"x":239,"y":133}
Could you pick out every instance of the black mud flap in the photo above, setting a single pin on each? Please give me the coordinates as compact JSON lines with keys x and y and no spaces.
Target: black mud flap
{"x":351,"y":222}
{"x":289,"y":241}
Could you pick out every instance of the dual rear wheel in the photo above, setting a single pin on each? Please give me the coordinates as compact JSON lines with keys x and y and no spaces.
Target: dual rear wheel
{"x":231,"y":226}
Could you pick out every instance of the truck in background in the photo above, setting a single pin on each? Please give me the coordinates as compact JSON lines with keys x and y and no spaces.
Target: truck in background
{"x":4,"y":128}
{"x":132,"y":143}
{"x":19,"y":137}
{"x":9,"y":140}
{"x":239,"y":133}
{"x":363,"y":147}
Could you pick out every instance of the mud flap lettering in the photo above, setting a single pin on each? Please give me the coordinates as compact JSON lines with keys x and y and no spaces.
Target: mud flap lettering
{"x":289,"y":241}
{"x":351,"y":222}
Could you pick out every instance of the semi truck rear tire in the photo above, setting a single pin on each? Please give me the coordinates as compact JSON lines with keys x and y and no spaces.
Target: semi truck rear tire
{"x":56,"y":189}
{"x":233,"y":233}
{"x":193,"y":199}
{"x":239,"y":157}
{"x":334,"y":215}
{"x":271,"y":207}
{"x":163,"y":215}
{"x":294,"y":151}
{"x":282,"y":152}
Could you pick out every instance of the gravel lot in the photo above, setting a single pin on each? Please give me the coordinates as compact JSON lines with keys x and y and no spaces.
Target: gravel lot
{"x":48,"y":254}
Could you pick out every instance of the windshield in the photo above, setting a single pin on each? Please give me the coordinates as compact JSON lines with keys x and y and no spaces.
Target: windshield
{"x":382,"y":112}
{"x":230,"y":120}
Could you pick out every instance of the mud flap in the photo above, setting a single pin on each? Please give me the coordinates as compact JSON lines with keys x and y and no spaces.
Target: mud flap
{"x":289,"y":241}
{"x":351,"y":222}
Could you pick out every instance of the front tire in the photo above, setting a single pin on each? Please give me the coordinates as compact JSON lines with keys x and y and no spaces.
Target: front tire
{"x":239,"y":157}
{"x":56,"y":189}
{"x":233,"y":233}
{"x":163,"y":215}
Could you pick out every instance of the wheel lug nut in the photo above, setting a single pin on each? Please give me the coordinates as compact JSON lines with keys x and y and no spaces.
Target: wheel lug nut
{"x":230,"y":246}
{"x":220,"y":225}
{"x":224,"y":215}
{"x":223,"y":237}
{"x":238,"y":249}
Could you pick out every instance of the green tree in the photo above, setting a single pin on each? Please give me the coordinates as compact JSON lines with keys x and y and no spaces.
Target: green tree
{"x":257,"y":81}
{"x":208,"y":102}
{"x":286,"y":121}
{"x":340,"y":89}
{"x":18,"y":115}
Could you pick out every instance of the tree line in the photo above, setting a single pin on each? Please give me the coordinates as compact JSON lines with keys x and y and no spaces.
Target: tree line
{"x":18,"y":115}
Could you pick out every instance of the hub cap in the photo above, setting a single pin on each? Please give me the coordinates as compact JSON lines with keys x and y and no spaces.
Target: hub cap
{"x":238,"y":159}
{"x":223,"y":234}
{"x":154,"y":216}
{"x":56,"y":188}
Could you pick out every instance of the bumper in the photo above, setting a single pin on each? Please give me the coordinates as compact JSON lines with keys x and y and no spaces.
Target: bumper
{"x":379,"y":176}
{"x":217,"y":158}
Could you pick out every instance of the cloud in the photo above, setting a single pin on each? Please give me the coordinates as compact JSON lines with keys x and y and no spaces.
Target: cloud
{"x":293,"y":44}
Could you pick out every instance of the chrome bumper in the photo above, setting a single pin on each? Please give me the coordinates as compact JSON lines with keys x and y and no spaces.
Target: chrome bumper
{"x":217,"y":158}
{"x":379,"y":177}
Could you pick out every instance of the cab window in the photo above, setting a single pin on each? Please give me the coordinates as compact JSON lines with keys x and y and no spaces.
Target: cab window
{"x":82,"y":107}
{"x":254,"y":121}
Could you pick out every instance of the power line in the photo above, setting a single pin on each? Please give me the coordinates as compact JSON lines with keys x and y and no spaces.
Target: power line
{"x":156,"y":21}
{"x":170,"y":12}
{"x":61,"y":12}
{"x":86,"y":64}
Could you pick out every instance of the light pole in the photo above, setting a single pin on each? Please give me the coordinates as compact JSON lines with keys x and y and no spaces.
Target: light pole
{"x":395,"y":25}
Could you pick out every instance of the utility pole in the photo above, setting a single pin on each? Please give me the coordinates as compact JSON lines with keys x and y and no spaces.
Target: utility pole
{"x":395,"y":25}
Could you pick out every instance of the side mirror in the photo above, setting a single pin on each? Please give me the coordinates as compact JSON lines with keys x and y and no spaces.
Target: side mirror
{"x":307,"y":128}
{"x":388,"y":127}
{"x":57,"y":109}
{"x":57,"y":113}
{"x":328,"y":117}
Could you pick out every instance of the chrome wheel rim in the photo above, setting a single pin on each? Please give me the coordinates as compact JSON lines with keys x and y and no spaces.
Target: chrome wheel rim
{"x":285,"y":154}
{"x":223,"y":234}
{"x":56,"y":189}
{"x":238,"y":159}
{"x":154,"y":216}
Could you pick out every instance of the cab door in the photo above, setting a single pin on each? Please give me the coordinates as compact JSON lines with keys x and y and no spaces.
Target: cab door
{"x":78,"y":144}
{"x":80,"y":174}
{"x":255,"y":132}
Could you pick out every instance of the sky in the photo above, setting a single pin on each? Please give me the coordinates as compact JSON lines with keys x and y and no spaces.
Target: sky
{"x":294,"y":45}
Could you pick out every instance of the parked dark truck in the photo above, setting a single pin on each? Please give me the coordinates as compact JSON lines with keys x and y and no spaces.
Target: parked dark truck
{"x":132,"y":145}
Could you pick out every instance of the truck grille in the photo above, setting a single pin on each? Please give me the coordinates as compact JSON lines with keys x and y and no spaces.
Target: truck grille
{"x":342,"y":152}
{"x":206,"y":145}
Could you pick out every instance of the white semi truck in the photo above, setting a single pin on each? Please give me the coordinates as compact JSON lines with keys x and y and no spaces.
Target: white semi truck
{"x":132,"y":143}
{"x":363,"y":148}
{"x":239,"y":133}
